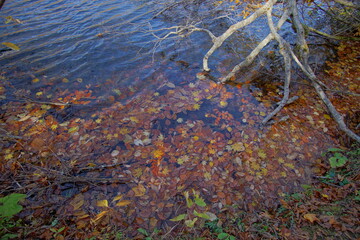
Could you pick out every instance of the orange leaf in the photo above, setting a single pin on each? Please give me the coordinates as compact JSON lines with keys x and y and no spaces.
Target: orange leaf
{"x":99,"y":216}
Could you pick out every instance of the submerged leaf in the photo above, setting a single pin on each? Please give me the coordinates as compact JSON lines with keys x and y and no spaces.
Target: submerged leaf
{"x":123,"y":203}
{"x":102,"y":203}
{"x":11,"y":45}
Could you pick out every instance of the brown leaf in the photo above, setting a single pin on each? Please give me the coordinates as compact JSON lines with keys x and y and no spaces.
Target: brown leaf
{"x":77,"y":202}
{"x":37,"y":144}
{"x":311,"y":217}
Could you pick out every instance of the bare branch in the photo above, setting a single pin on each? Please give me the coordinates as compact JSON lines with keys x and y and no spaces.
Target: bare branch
{"x":250,"y":58}
{"x":284,"y":46}
{"x":233,"y":28}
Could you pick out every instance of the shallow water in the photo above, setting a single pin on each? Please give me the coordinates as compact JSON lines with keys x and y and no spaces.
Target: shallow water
{"x":139,"y":114}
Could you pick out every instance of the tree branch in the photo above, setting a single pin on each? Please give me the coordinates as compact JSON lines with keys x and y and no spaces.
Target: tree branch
{"x":250,"y":58}
{"x":284,"y":46}
{"x":310,"y":74}
{"x":233,"y":28}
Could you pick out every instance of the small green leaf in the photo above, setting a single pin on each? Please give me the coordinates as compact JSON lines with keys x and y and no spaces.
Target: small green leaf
{"x":143,"y":231}
{"x":189,"y":202}
{"x":335,"y":150}
{"x":73,"y":129}
{"x":202,"y":215}
{"x":9,"y":236}
{"x":200,"y":202}
{"x":223,"y":235}
{"x":190,"y":223}
{"x":178,"y":218}
{"x":11,"y":45}
{"x":338,"y":160}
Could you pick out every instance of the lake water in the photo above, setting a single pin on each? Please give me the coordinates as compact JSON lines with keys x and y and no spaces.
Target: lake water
{"x":138,"y":113}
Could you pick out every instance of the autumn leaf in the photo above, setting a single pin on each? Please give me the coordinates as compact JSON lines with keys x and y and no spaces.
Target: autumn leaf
{"x":238,"y":147}
{"x":73,"y":129}
{"x":123,"y":203}
{"x":139,"y":190}
{"x":118,"y":197}
{"x":223,"y":103}
{"x":158,"y":153}
{"x":99,"y":216}
{"x":311,"y":217}
{"x":196,"y":106}
{"x":102,"y":203}
{"x":11,"y":45}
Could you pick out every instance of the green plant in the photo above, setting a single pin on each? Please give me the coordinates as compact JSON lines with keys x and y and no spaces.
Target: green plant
{"x":225,"y":236}
{"x":9,"y":206}
{"x":146,"y":234}
{"x":192,"y":203}
{"x":338,"y":159}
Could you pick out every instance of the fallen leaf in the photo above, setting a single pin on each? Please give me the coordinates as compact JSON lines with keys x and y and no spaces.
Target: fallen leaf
{"x":123,"y":203}
{"x":311,"y":217}
{"x":102,"y":203}
{"x":99,"y":216}
{"x":11,"y":45}
{"x":139,"y":190}
{"x":77,"y":202}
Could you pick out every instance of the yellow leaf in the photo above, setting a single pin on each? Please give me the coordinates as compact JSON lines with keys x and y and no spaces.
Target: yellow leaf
{"x":196,"y":138}
{"x":102,"y":203}
{"x":123,"y":203}
{"x":290,"y":165}
{"x":54,"y":127}
{"x":73,"y":129}
{"x":98,"y":120}
{"x":8,"y":156}
{"x":158,"y":153}
{"x":196,"y":106}
{"x":262,"y":154}
{"x":255,"y":166}
{"x":35,"y":80}
{"x":11,"y":45}
{"x":134,"y":119}
{"x":99,"y":216}
{"x":311,"y":217}
{"x":165,"y":171}
{"x":39,"y":93}
{"x":238,"y":147}
{"x":139,"y":190}
{"x":223,"y":103}
{"x":118,"y":197}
